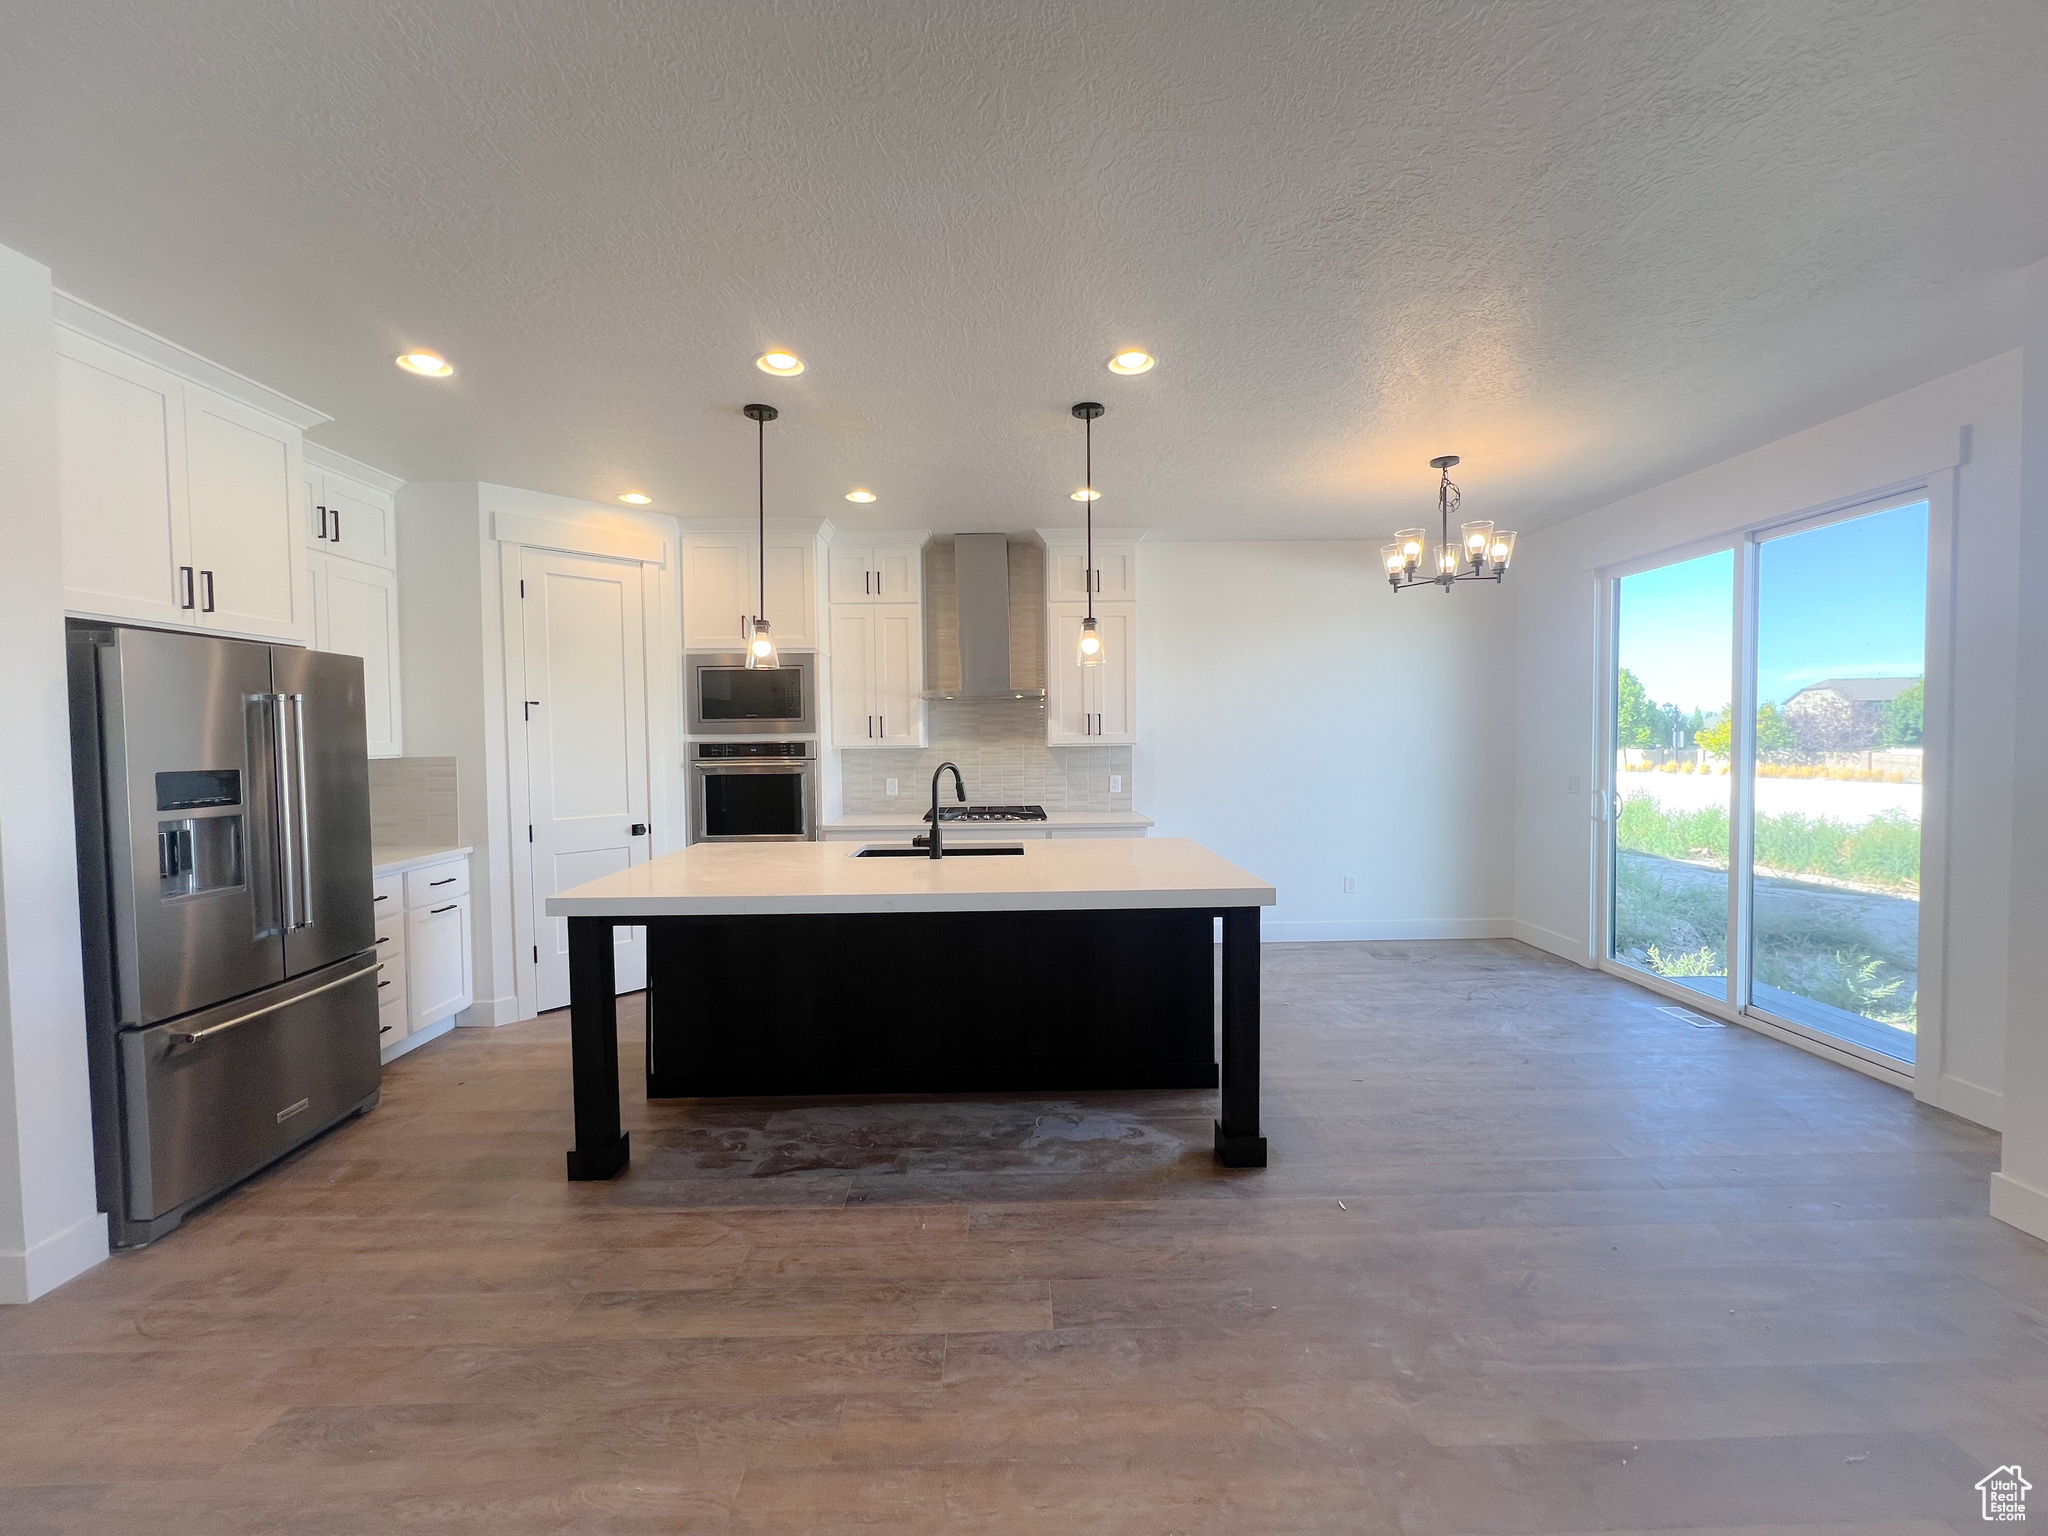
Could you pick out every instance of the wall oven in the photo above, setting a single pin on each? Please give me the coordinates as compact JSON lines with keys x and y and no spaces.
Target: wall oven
{"x":728,"y":700}
{"x":753,"y":792}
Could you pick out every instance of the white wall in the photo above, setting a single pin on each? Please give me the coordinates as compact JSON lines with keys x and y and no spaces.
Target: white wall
{"x":452,"y":573}
{"x":1308,"y":723}
{"x":1557,"y":644}
{"x":50,"y":1225}
{"x":2019,"y":1193}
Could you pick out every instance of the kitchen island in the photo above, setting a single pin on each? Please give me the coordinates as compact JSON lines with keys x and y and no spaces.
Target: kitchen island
{"x":806,"y":968}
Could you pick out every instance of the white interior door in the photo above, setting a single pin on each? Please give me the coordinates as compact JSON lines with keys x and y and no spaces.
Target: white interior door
{"x":585,"y":710}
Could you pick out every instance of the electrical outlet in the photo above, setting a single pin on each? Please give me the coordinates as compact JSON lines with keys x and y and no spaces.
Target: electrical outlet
{"x":1571,"y":784}
{"x":892,"y":786}
{"x":1116,"y":783}
{"x":1351,"y":885}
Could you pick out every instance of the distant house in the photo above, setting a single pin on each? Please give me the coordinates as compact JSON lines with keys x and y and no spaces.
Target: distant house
{"x":1842,"y":714}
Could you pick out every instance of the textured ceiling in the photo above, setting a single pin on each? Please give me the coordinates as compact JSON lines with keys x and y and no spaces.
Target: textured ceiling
{"x":1587,"y":245}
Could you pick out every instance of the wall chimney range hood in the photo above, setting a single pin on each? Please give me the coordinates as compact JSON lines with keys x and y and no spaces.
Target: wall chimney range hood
{"x":981,"y":571}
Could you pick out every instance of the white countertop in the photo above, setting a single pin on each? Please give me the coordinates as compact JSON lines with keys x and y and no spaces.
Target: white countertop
{"x":1081,"y":874}
{"x":392,"y":861}
{"x":913,"y":820}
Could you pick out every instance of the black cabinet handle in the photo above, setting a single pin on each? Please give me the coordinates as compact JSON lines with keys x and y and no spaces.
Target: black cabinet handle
{"x":449,"y":908}
{"x":449,"y":881}
{"x":336,"y":515}
{"x":323,"y":522}
{"x":207,"y":606}
{"x":383,"y":938}
{"x":185,"y":573}
{"x":380,"y":898}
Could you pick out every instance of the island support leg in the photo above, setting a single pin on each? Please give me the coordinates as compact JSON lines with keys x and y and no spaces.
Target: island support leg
{"x":601,"y":1147}
{"x":1238,"y":1142}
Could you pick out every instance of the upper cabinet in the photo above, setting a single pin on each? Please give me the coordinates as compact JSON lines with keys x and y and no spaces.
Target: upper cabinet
{"x":1091,"y":706}
{"x":1115,"y":572}
{"x":349,"y":533}
{"x":178,"y":486}
{"x":722,"y":587}
{"x":878,"y":572}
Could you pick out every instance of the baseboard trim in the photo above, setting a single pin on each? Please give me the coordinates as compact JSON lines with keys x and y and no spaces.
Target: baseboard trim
{"x":1977,"y":1104}
{"x":1271,"y":932}
{"x":489,"y":1013}
{"x":60,"y":1257}
{"x":1551,"y":942}
{"x":2018,"y":1204}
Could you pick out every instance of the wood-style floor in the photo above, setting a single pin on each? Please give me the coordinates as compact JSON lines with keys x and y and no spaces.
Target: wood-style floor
{"x":1532,"y":1256}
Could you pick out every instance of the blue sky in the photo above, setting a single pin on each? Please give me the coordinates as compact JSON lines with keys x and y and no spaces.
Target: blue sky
{"x":1845,"y":600}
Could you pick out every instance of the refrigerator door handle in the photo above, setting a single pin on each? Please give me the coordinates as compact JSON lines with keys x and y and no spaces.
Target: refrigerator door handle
{"x":302,"y":858}
{"x":197,"y":1036}
{"x":287,"y":817}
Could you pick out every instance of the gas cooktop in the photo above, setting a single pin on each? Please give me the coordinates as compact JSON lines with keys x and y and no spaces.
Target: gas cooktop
{"x":989,"y":813}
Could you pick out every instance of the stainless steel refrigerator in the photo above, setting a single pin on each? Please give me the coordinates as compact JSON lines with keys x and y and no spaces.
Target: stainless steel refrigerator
{"x":223,"y":803}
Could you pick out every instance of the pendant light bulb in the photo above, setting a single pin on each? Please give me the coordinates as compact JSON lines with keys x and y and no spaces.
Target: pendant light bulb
{"x":761,"y":656}
{"x":1090,"y":653}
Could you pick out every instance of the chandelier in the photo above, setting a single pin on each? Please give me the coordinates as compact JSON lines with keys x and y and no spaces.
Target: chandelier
{"x":1481,"y":553}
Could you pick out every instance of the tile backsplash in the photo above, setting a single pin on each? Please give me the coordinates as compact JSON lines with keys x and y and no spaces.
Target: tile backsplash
{"x":1000,"y":747}
{"x":412,"y":802}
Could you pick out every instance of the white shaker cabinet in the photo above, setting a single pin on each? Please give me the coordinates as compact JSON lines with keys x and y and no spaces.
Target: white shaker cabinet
{"x":244,"y":473}
{"x":423,"y":948}
{"x":1115,"y":572}
{"x":878,"y":675}
{"x":1091,"y":706}
{"x":177,"y":498}
{"x":722,"y":588}
{"x":121,"y":485}
{"x":355,"y":611}
{"x":891,"y":572}
{"x":348,"y":518}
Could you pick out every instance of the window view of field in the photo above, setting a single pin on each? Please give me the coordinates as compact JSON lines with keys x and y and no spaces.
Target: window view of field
{"x":1841,"y":627}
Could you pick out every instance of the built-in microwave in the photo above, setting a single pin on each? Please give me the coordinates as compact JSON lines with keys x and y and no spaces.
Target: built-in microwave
{"x":728,"y":700}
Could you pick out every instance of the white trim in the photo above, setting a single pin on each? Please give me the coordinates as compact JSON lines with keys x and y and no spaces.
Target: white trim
{"x":1551,"y":942}
{"x":76,"y":314}
{"x":1972,"y":1101}
{"x":57,"y":1258}
{"x":819,"y":526}
{"x":2019,"y":1204}
{"x":531,"y":532}
{"x":1079,"y":535}
{"x":1937,"y":741}
{"x":421,"y":1036}
{"x":322,"y":457}
{"x":1381,"y":930}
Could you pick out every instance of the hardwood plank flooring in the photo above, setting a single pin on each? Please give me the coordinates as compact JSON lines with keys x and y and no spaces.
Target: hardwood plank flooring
{"x":1531,"y":1256}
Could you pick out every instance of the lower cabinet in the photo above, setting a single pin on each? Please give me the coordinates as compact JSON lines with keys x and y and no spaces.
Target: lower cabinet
{"x":423,"y":946}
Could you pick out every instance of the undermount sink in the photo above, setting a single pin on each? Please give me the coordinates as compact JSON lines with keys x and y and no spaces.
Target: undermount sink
{"x":964,"y":851}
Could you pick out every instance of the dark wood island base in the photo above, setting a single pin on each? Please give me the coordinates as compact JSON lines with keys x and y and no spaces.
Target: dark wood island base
{"x":922,"y":1002}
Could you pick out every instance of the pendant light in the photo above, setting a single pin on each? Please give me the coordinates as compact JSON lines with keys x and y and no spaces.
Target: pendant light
{"x":1482,"y":552}
{"x":1089,"y":652}
{"x":761,"y":655}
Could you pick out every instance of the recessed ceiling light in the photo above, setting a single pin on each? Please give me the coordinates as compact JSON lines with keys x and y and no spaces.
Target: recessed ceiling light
{"x":635,"y":498}
{"x":1085,"y":494}
{"x":860,"y":495}
{"x":1131,"y":360}
{"x":782,"y":364}
{"x":432,"y":364}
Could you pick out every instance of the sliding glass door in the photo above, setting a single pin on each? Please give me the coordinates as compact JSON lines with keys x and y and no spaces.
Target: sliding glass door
{"x":1766,"y":707}
{"x":1674,"y":627}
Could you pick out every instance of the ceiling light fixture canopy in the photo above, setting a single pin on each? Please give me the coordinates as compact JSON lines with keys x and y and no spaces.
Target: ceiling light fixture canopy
{"x":779,"y":361}
{"x":1481,"y":552}
{"x":761,"y":655}
{"x":1132,"y":360}
{"x":431,"y":365}
{"x":1089,"y":652}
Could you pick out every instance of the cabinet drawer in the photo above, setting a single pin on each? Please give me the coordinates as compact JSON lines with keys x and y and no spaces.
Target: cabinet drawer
{"x":387,"y":894}
{"x":391,"y":1023}
{"x":436,"y":884}
{"x":391,"y":947}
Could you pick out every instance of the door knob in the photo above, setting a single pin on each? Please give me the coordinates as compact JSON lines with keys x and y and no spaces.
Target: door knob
{"x":639,"y":829}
